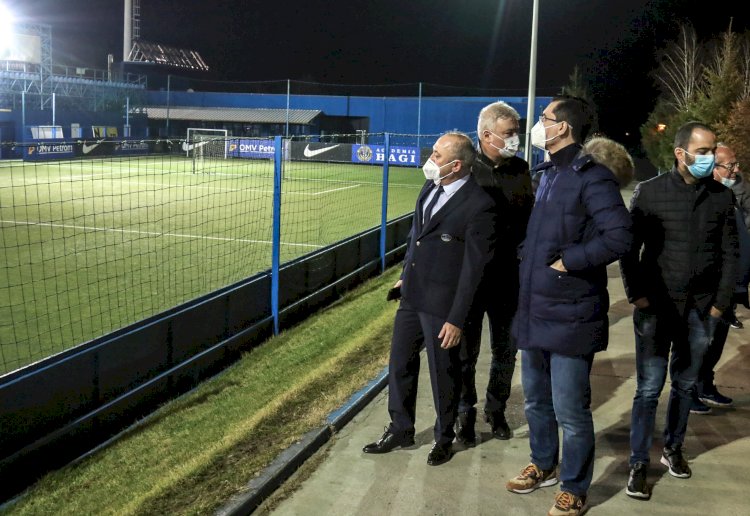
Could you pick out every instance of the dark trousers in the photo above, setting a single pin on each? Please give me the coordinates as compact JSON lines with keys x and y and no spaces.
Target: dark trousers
{"x":705,"y":382}
{"x":665,"y":343}
{"x":411,"y":331}
{"x":500,"y":316}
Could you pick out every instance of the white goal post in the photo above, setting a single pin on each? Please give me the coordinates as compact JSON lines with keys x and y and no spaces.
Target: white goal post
{"x":47,"y":132}
{"x":206,"y":143}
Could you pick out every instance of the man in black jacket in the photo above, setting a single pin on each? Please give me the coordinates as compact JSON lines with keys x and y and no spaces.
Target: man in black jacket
{"x":726,"y":172}
{"x":679,"y":274}
{"x":451,"y":240}
{"x":506,"y":178}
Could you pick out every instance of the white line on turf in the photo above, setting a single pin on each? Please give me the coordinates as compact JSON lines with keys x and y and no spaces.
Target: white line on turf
{"x":151,"y":233}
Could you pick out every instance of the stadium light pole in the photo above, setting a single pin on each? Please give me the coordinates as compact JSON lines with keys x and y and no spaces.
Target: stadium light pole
{"x":419,"y":121}
{"x":288,"y":93}
{"x":169,"y":77}
{"x":531,"y":98}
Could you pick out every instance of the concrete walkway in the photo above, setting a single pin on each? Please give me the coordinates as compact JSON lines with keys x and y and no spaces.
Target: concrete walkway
{"x":349,"y":482}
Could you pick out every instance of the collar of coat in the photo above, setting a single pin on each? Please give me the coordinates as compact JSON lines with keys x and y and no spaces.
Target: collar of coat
{"x":569,"y":157}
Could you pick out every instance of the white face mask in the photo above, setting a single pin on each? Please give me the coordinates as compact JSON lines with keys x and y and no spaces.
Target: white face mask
{"x":432,"y":171}
{"x":539,"y":135}
{"x":729,"y":183}
{"x":511,"y":145}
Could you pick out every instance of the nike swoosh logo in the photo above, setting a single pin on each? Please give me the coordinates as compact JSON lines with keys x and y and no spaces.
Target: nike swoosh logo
{"x":190,"y":146}
{"x":88,"y":148}
{"x":310,"y":153}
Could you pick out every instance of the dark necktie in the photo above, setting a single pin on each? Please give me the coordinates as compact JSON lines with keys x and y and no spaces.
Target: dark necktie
{"x":431,"y":206}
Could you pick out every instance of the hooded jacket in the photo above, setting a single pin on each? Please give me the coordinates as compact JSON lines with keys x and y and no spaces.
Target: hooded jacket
{"x":580,"y":217}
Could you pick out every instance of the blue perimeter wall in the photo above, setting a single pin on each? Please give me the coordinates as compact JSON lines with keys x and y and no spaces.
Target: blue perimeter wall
{"x":386,"y":114}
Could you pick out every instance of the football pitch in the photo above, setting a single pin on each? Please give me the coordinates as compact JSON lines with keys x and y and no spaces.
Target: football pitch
{"x":91,"y":246}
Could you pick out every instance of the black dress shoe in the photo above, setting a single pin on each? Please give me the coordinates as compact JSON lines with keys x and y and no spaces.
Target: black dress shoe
{"x":440,"y":454}
{"x":389,"y":441}
{"x":500,"y":428}
{"x":465,"y":433}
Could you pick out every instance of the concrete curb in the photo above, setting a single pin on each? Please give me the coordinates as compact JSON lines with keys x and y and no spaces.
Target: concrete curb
{"x":272,"y":477}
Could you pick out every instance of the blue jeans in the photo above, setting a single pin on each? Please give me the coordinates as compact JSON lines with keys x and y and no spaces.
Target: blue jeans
{"x":557,"y":388}
{"x":655,"y":333}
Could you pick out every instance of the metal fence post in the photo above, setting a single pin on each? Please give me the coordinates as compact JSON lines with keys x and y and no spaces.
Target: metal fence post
{"x":384,"y":208}
{"x":276,"y":238}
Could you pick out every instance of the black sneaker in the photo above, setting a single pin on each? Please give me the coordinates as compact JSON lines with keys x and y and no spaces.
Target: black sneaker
{"x":698,"y":407}
{"x":736,"y":324}
{"x":637,"y":486}
{"x":714,"y":397}
{"x":673,"y":459}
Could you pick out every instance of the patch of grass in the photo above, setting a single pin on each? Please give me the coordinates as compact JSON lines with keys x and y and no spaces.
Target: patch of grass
{"x":193,"y":454}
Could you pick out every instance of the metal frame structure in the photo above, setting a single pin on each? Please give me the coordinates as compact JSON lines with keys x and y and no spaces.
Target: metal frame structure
{"x":82,"y":88}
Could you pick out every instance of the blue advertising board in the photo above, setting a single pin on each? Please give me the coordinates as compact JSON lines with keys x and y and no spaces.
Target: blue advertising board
{"x":250,"y":148}
{"x":41,"y":150}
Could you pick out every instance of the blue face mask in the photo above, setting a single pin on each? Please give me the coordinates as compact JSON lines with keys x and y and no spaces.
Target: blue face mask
{"x":703,"y":165}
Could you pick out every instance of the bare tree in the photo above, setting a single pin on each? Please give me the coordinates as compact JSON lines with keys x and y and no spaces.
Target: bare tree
{"x":679,"y":71}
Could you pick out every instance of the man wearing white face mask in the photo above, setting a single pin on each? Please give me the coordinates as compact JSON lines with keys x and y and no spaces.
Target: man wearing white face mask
{"x":680,"y":276}
{"x":506,"y":178}
{"x":579,"y":225}
{"x":451,"y":240}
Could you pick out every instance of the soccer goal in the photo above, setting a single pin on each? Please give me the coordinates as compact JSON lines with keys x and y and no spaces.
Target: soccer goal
{"x":205,"y":144}
{"x":47,"y":132}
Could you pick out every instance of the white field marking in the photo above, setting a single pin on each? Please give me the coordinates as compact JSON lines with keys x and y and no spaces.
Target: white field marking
{"x":208,"y":187}
{"x":152,"y":233}
{"x":135,"y":171}
{"x":262,"y":190}
{"x":187,"y":172}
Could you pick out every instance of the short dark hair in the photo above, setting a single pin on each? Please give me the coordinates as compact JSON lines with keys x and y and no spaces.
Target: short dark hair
{"x":685,"y":132}
{"x":577,"y":112}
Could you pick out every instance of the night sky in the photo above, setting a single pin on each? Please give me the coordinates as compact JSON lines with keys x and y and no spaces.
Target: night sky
{"x":469,"y":43}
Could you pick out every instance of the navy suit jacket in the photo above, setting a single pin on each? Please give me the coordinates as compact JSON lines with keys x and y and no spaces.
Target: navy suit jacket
{"x":445,"y":260}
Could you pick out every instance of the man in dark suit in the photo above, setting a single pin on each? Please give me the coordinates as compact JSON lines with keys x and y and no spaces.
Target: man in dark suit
{"x":451,"y":239}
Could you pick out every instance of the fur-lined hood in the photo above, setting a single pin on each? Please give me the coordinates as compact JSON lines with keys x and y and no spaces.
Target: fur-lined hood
{"x":613,"y":156}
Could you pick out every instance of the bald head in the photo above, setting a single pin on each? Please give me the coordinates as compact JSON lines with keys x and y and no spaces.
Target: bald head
{"x":456,"y":150}
{"x":726,"y":167}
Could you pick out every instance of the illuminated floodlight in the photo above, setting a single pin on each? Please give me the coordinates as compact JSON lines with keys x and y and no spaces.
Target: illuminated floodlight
{"x":6,"y":28}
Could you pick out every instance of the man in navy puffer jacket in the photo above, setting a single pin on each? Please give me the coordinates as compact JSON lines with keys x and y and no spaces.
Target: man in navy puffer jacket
{"x":579,"y":225}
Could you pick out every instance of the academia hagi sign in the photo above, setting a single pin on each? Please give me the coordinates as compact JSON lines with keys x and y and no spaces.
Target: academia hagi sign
{"x":376,"y":154}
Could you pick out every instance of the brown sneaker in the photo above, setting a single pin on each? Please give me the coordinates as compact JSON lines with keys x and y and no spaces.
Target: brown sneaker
{"x":531,"y":478}
{"x":568,"y":504}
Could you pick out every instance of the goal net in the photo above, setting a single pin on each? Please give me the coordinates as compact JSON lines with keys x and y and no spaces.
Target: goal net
{"x":205,"y":145}
{"x":47,"y":132}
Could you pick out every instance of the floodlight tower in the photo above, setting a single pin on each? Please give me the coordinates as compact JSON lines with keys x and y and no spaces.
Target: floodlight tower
{"x":131,"y":27}
{"x":6,"y":26}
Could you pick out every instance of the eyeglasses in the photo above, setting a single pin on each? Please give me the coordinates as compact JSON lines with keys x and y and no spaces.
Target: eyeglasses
{"x":543,"y":119}
{"x":731,"y":167}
